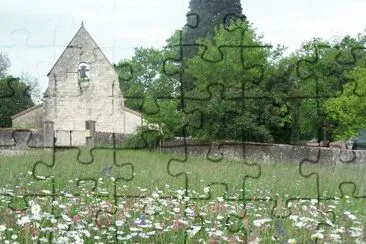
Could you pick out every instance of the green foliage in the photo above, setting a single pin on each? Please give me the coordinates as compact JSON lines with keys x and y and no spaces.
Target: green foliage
{"x":14,"y":98}
{"x":323,"y":69}
{"x":253,"y":93}
{"x":349,"y":108}
{"x":221,"y":80}
{"x":143,"y":138}
{"x":148,"y":90}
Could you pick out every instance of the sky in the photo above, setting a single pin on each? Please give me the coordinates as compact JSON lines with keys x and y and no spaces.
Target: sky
{"x":34,"y":33}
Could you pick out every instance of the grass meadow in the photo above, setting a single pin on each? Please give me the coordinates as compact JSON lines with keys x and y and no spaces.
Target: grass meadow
{"x":226,"y":201}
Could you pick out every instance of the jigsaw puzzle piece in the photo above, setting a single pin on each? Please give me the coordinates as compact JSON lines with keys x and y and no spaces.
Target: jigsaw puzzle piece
{"x":21,"y":139}
{"x":346,"y":171}
{"x":100,"y":160}
{"x":273,"y":184}
{"x":328,"y":69}
{"x":192,"y":172}
{"x":214,"y":58}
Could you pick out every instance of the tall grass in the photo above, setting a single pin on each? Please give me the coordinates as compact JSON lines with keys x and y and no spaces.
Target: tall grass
{"x":269,"y":201}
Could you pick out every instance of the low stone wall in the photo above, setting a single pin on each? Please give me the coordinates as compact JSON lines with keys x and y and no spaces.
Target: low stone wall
{"x":264,"y":152}
{"x":104,"y":138}
{"x":21,"y":139}
{"x":25,"y":139}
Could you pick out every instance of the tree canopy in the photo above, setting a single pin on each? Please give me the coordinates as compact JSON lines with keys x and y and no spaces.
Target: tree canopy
{"x":234,"y":86}
{"x":14,"y":94}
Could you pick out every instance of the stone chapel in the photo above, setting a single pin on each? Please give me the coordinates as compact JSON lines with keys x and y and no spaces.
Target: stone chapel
{"x":83,"y":86}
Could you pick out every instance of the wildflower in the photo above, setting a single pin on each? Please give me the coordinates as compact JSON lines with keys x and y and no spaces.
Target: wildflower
{"x":294,"y":217}
{"x":220,"y":199}
{"x":335,"y":236}
{"x":77,"y":218}
{"x":143,"y":219}
{"x":300,"y":224}
{"x":36,"y":209}
{"x":66,"y":218}
{"x":350,"y":216}
{"x":78,"y":240}
{"x":24,"y":220}
{"x":177,"y":210}
{"x":2,"y":228}
{"x":106,"y":169}
{"x":290,"y":241}
{"x":341,"y":229}
{"x":206,"y":189}
{"x":14,"y":237}
{"x":43,"y":240}
{"x":314,"y":201}
{"x":86,"y":233}
{"x":356,"y":232}
{"x":62,"y":226}
{"x":318,"y":235}
{"x":189,"y":212}
{"x":194,"y":230}
{"x":158,"y":226}
{"x":259,"y":222}
{"x":119,"y":222}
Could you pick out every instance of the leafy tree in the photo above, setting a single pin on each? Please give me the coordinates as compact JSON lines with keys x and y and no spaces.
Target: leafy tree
{"x":202,"y":19}
{"x":349,"y":108}
{"x":14,"y":98}
{"x":148,"y":89}
{"x":14,"y":94}
{"x":236,"y":92}
{"x":322,"y":69}
{"x":4,"y":65}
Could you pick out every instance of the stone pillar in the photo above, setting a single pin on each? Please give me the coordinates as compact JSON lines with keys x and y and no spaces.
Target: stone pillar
{"x":48,"y":134}
{"x":90,"y":132}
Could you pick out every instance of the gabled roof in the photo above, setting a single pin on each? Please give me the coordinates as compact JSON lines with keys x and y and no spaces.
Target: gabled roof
{"x":79,"y":33}
{"x":27,"y":111}
{"x":132,"y":111}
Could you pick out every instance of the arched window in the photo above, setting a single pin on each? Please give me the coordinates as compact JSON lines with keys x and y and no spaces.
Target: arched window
{"x":83,"y":71}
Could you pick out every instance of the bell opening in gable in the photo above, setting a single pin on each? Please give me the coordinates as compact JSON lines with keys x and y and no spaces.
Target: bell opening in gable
{"x":83,"y":71}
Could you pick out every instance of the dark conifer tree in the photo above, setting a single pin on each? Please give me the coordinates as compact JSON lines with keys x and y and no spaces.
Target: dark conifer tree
{"x":204,"y":15}
{"x":202,"y":18}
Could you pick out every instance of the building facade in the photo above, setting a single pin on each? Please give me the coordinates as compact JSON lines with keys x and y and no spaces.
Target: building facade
{"x":83,"y":86}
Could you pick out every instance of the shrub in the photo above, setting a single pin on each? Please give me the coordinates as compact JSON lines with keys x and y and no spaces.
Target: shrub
{"x":144,"y":137}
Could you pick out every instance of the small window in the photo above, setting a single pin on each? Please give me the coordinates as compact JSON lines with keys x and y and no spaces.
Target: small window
{"x":83,"y":72}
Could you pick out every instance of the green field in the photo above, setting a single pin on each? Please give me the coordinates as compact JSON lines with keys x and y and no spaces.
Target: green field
{"x":226,"y":201}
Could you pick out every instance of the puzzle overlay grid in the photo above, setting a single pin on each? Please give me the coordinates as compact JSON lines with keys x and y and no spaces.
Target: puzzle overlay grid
{"x":216,"y":89}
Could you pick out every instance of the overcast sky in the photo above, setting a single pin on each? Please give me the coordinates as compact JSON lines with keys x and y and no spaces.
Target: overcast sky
{"x":35,"y":32}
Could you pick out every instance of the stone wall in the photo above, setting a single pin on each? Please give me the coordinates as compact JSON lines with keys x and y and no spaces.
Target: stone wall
{"x":265,"y":152}
{"x":104,"y":138}
{"x":26,"y":139}
{"x":21,"y":139}
{"x":70,"y":138}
